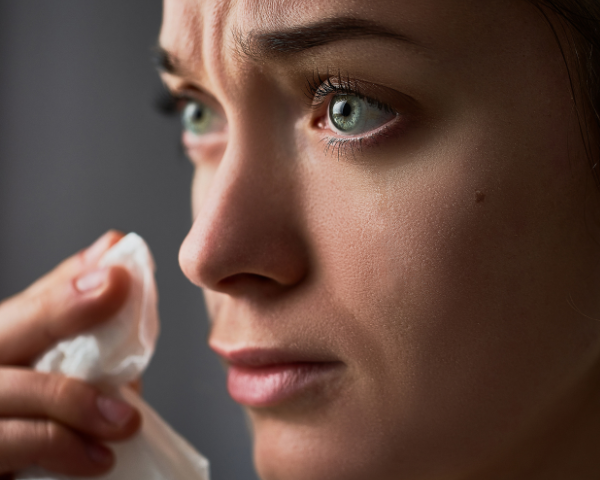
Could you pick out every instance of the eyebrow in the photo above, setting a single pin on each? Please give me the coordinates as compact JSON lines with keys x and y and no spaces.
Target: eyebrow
{"x":262,"y":45}
{"x":258,"y":45}
{"x":165,"y":61}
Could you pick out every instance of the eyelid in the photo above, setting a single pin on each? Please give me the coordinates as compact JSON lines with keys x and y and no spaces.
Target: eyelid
{"x":188,"y":93}
{"x":320,"y":88}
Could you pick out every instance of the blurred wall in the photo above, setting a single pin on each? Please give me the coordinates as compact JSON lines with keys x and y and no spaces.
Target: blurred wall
{"x":82,"y":151}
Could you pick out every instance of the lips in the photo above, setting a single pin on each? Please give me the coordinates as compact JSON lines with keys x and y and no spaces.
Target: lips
{"x":267,"y":378}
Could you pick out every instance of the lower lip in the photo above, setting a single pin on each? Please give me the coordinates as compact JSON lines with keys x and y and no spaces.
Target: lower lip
{"x":272,"y":385}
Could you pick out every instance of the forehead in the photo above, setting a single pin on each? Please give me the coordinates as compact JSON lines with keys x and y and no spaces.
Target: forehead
{"x":197,"y":30}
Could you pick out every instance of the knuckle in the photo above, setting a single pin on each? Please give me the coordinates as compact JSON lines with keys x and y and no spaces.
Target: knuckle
{"x":42,"y":308}
{"x":25,"y":442}
{"x":71,"y":400}
{"x":8,"y":431}
{"x":61,"y":389}
{"x":48,"y":434}
{"x":40,"y":301}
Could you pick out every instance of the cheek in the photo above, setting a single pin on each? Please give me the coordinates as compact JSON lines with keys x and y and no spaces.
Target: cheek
{"x":400,"y":239}
{"x":451,"y":297}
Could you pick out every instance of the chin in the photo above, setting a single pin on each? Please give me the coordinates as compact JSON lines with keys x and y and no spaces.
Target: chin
{"x":331,"y":441}
{"x":299,"y":452}
{"x":348,"y":437}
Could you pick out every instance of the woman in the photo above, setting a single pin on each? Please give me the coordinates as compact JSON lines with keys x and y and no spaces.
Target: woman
{"x":395,"y":228}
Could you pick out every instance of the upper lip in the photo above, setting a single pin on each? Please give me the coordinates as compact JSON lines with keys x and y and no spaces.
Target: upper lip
{"x":257,"y":357}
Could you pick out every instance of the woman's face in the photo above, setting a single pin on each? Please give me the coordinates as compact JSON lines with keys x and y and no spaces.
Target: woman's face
{"x":393,"y":227}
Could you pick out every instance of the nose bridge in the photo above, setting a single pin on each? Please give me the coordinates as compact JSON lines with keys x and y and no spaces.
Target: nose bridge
{"x":246,"y":229}
{"x":247,"y":226}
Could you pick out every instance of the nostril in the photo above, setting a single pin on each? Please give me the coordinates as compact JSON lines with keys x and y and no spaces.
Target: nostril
{"x":246,"y":282}
{"x":246,"y":277}
{"x":236,"y":244}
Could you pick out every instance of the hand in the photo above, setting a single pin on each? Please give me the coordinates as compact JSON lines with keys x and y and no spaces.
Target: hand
{"x":47,"y":420}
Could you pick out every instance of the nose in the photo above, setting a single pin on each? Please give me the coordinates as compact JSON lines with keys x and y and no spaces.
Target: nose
{"x":246,"y":235}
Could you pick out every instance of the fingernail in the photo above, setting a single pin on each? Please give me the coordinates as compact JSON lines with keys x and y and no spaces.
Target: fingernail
{"x":92,"y":281}
{"x":115,"y":411}
{"x":93,"y":252}
{"x":99,"y":454}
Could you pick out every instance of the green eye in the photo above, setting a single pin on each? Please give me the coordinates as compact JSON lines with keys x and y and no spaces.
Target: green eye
{"x":352,"y":115}
{"x":197,"y":118}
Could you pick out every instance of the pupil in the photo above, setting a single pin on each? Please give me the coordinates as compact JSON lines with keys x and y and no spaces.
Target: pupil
{"x":346,"y":109}
{"x":197,"y":114}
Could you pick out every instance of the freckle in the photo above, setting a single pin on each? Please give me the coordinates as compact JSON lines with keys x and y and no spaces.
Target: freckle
{"x":479,"y":196}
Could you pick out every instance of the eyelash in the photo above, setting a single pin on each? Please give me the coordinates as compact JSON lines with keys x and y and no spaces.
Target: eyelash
{"x":170,"y":104}
{"x":320,"y":88}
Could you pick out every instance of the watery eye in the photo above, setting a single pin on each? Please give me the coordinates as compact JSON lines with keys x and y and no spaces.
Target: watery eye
{"x":198,"y":119}
{"x":353,"y":115}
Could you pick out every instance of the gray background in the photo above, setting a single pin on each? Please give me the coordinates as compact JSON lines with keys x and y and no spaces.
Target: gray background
{"x":82,"y":151}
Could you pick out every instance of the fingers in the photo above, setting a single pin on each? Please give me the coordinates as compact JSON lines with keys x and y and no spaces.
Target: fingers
{"x":51,"y":446}
{"x":28,"y":394}
{"x":48,"y":420}
{"x":71,"y":298}
{"x":58,"y":423}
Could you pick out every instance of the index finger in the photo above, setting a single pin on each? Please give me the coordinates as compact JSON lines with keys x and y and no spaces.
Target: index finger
{"x":58,"y":305}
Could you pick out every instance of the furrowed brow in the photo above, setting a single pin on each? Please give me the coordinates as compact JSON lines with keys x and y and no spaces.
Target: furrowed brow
{"x":165,"y":61}
{"x":296,"y":40}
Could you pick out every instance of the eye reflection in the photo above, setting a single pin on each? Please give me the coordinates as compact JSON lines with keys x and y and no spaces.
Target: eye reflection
{"x":352,"y":114}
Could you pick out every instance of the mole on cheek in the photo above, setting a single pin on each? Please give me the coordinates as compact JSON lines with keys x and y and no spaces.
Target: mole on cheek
{"x":479,"y":196}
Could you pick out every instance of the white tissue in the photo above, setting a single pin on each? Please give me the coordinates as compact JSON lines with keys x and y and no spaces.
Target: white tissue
{"x":118,"y":351}
{"x":112,"y":355}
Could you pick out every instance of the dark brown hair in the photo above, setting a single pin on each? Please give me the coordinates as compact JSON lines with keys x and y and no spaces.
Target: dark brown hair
{"x":576,"y":24}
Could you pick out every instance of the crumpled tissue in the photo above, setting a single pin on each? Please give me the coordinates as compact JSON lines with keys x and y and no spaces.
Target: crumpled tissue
{"x":115,"y":353}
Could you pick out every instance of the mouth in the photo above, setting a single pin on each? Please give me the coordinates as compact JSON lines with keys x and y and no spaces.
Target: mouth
{"x":267,"y":378}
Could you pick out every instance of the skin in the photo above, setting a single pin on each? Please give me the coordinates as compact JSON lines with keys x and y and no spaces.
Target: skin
{"x":57,"y":423}
{"x":451,"y":266}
